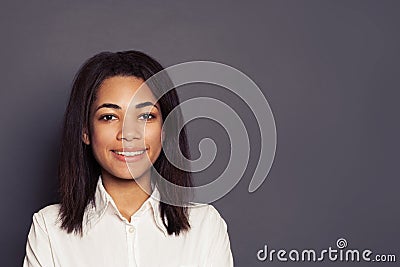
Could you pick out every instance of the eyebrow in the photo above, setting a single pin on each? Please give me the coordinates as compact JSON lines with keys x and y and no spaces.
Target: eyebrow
{"x":115,"y":106}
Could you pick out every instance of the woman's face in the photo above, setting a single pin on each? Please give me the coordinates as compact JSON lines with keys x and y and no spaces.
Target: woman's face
{"x":115,"y":146}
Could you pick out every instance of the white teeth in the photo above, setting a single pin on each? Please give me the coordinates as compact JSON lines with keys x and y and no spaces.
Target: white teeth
{"x":129,"y":154}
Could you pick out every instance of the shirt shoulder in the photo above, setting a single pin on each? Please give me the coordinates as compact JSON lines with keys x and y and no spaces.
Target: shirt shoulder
{"x":49,"y":211}
{"x":48,"y":215}
{"x":210,"y":229}
{"x":206,"y":215}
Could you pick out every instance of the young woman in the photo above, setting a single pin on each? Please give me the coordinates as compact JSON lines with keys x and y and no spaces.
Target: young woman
{"x":114,"y":208}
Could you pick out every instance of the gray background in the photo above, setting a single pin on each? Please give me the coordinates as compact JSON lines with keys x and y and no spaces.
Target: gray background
{"x":329,"y":70}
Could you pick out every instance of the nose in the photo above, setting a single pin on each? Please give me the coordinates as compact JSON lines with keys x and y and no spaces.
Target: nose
{"x":130,"y":131}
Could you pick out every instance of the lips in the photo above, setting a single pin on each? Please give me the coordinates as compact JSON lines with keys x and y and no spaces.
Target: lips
{"x":129,"y":154}
{"x":130,"y":149}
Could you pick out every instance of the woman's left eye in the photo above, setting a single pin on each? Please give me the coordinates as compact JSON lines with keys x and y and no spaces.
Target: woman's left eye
{"x":147,"y":116}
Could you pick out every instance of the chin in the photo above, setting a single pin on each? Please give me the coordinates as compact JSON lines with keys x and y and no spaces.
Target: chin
{"x":117,"y":173}
{"x":130,"y":175}
{"x":134,"y":172}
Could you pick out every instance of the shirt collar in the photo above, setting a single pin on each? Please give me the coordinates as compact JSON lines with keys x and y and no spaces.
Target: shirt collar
{"x":103,"y":200}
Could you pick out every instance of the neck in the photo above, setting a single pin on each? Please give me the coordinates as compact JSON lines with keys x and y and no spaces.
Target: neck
{"x":128,"y":194}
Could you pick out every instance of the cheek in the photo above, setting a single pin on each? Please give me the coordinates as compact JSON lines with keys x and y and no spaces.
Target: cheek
{"x":101,"y":137}
{"x":153,"y":137}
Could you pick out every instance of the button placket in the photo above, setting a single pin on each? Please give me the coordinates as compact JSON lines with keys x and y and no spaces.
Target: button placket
{"x":130,"y":230}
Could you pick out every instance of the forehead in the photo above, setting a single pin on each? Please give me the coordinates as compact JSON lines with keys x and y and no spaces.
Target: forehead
{"x":123,"y":90}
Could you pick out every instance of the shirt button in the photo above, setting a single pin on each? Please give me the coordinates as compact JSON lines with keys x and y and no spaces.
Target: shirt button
{"x":131,"y":229}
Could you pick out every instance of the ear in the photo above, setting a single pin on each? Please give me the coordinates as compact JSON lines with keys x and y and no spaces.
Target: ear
{"x":85,"y":137}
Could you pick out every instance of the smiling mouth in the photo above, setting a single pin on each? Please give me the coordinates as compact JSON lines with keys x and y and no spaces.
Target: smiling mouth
{"x":129,"y":154}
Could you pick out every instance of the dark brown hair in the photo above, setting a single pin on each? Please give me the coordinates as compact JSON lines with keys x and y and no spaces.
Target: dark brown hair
{"x":78,"y":171}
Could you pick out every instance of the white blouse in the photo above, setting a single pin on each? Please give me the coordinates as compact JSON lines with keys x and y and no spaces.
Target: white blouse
{"x":110,"y":240}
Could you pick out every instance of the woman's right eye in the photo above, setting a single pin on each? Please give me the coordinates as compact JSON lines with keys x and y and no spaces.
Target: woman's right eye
{"x":107,"y":117}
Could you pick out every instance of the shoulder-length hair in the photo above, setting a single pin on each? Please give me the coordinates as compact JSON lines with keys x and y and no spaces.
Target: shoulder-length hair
{"x":78,"y":171}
